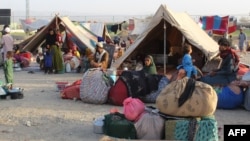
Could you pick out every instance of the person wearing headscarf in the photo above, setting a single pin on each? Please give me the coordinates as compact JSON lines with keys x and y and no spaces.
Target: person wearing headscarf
{"x":55,"y":49}
{"x":149,"y":66}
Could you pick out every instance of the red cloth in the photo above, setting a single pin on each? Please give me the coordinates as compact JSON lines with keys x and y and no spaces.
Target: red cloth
{"x":59,"y":38}
{"x":26,"y":55}
{"x":118,"y":93}
{"x":219,"y":25}
{"x":71,"y":92}
{"x":242,"y":69}
{"x":77,"y":82}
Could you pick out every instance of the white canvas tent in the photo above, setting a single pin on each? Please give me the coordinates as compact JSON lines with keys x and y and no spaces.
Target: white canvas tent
{"x":80,"y":38}
{"x":178,"y":26}
{"x":139,"y":26}
{"x":99,"y":29}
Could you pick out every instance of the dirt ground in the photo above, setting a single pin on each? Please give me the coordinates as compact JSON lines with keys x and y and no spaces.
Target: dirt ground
{"x":43,"y":116}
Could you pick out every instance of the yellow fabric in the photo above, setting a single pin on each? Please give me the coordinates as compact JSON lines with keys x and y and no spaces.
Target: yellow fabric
{"x":77,"y":54}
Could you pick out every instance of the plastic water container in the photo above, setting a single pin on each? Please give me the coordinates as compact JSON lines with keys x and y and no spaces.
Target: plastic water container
{"x":113,"y":77}
{"x":98,"y":125}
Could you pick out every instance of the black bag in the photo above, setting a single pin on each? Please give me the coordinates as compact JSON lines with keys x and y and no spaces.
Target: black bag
{"x":15,"y":93}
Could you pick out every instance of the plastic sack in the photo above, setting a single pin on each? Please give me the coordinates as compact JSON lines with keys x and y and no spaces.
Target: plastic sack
{"x":133,"y":108}
{"x":150,"y":126}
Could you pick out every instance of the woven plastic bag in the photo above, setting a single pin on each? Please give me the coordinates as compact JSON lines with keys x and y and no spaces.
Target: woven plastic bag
{"x":95,"y":87}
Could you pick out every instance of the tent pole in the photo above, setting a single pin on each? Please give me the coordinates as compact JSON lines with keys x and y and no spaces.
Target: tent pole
{"x":226,"y":34}
{"x":164,"y":55}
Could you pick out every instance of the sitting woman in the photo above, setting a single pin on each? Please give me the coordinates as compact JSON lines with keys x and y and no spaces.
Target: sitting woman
{"x":149,"y":65}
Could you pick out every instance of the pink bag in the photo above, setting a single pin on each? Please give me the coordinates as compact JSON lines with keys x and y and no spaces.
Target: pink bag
{"x":133,"y":108}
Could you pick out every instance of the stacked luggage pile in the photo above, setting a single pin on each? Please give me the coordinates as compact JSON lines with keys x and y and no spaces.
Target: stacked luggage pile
{"x":183,"y":110}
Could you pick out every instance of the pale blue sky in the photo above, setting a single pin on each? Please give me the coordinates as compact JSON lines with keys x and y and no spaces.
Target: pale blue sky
{"x":129,"y":7}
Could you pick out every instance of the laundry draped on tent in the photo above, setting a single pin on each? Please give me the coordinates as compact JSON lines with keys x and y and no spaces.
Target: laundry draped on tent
{"x":115,"y":27}
{"x":219,"y":25}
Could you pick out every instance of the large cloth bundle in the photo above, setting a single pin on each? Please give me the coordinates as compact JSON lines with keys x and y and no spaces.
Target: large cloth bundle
{"x":71,"y":92}
{"x":139,"y":83}
{"x":95,"y":86}
{"x":150,"y":126}
{"x":192,"y":129}
{"x":118,"y":93}
{"x":200,"y":101}
{"x":151,"y":98}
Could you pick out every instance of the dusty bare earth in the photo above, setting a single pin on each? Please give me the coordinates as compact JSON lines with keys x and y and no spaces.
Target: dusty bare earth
{"x":43,"y":116}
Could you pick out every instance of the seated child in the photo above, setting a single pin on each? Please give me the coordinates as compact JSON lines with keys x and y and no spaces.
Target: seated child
{"x":187,"y":62}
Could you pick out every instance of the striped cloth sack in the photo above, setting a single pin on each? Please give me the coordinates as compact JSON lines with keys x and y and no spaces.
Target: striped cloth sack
{"x":95,"y":86}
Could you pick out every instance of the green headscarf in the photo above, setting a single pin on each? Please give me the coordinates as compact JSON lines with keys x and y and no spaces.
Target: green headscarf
{"x":151,"y":69}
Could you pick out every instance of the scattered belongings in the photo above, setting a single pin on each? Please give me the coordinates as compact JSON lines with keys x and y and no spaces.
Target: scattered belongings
{"x":32,"y":72}
{"x":14,"y":93}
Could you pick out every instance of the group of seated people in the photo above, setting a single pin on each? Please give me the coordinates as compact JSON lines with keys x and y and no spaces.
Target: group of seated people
{"x":229,"y":88}
{"x":82,"y":62}
{"x":98,"y":59}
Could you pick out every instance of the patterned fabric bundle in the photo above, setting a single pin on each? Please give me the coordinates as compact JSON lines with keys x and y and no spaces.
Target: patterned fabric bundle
{"x":197,"y":129}
{"x":95,"y":86}
{"x":151,"y":98}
